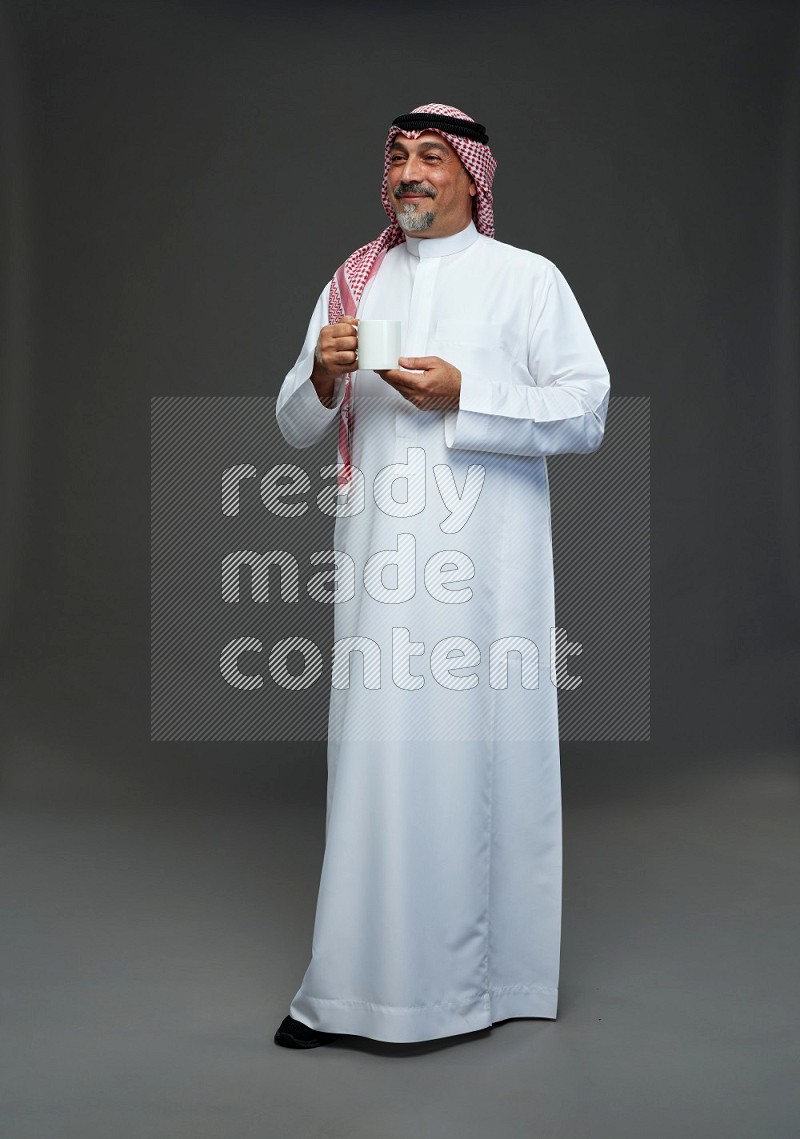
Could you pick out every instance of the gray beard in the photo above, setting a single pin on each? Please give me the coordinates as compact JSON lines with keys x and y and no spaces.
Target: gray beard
{"x":411,"y":220}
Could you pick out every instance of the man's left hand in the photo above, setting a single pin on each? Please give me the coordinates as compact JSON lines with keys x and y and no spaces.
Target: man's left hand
{"x":436,"y":386}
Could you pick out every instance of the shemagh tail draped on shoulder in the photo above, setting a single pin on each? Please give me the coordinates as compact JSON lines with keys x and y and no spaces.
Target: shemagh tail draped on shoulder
{"x":350,"y":279}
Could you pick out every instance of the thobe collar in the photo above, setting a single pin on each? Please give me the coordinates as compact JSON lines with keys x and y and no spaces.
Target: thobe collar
{"x":442,"y":246}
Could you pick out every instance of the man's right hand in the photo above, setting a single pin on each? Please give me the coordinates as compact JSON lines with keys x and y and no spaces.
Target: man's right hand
{"x":336,"y":353}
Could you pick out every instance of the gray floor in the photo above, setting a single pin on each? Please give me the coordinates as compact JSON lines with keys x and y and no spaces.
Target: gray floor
{"x":157,"y":923}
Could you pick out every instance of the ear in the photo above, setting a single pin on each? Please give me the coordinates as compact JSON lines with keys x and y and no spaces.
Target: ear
{"x":473,"y":189}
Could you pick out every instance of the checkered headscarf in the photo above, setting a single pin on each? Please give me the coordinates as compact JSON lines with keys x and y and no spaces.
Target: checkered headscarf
{"x":351,"y":277}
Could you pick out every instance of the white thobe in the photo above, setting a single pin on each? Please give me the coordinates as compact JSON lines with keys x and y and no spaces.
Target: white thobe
{"x":439,"y":907}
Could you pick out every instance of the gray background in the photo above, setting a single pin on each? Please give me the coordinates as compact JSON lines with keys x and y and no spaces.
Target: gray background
{"x":178,"y":182}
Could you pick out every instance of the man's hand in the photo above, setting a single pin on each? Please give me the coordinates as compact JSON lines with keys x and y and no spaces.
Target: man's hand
{"x":336,"y":353}
{"x":437,"y":387}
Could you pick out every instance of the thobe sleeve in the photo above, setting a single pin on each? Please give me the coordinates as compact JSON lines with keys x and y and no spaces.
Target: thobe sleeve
{"x":563,"y":407}
{"x":301,"y":415}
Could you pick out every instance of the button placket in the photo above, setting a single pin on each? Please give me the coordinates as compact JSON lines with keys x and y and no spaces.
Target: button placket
{"x":417,"y":335}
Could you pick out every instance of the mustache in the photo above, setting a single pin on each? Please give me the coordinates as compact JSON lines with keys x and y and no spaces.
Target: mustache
{"x":414,"y":188}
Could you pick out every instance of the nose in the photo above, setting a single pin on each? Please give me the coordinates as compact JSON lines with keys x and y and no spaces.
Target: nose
{"x":411,"y":170}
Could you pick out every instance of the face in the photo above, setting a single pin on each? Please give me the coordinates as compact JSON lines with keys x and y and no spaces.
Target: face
{"x":430,"y":190}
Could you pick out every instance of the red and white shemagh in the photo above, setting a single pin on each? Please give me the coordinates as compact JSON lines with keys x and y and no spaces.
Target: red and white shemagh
{"x":350,"y":279}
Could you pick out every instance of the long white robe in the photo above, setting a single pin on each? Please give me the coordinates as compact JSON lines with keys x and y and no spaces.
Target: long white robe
{"x":439,"y":907}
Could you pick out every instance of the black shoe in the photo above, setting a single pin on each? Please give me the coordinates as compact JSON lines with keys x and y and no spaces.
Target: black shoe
{"x":294,"y":1034}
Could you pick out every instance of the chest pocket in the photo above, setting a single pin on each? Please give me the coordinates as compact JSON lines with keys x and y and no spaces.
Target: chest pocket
{"x":475,"y":344}
{"x":476,"y":333}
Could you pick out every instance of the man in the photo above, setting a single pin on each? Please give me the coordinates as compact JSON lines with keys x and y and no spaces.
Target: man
{"x":439,"y":908}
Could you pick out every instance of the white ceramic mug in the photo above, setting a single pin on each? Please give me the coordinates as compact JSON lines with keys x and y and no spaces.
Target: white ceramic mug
{"x":378,"y":344}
